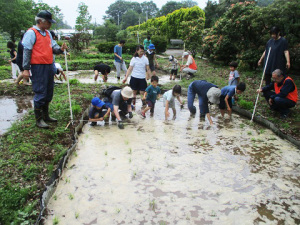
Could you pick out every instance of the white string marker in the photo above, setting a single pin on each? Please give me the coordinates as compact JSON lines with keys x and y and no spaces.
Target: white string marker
{"x":67,"y":72}
{"x":262,"y":79}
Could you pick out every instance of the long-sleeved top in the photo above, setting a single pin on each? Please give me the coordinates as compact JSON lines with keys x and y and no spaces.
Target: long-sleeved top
{"x":288,"y":87}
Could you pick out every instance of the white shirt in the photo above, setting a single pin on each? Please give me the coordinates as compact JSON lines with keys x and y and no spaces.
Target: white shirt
{"x":169,"y":96}
{"x":139,"y":67}
{"x":58,"y":66}
{"x":174,"y":64}
{"x":189,"y":60}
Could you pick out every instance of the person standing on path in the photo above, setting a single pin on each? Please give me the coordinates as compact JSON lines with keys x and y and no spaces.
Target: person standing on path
{"x":39,"y":48}
{"x":207,"y":92}
{"x":279,"y":56}
{"x":190,"y":67}
{"x":119,"y":62}
{"x":13,"y":56}
{"x":150,"y":54}
{"x":139,"y":64}
{"x":20,"y":64}
{"x":147,"y":42}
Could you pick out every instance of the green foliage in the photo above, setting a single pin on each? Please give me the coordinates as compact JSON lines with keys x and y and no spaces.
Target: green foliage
{"x":76,"y":109}
{"x":84,"y":18}
{"x":243,"y":31}
{"x":5,"y":72}
{"x":169,"y":25}
{"x":160,"y":43}
{"x":245,"y":104}
{"x":79,"y":41}
{"x":73,"y":81}
{"x":108,"y":47}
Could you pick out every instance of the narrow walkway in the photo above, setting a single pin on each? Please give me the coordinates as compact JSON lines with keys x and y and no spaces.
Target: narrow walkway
{"x":179,"y":172}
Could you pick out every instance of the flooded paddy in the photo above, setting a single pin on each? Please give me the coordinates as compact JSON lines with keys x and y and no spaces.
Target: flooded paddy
{"x":87,"y":77}
{"x":179,"y":172}
{"x":13,"y":109}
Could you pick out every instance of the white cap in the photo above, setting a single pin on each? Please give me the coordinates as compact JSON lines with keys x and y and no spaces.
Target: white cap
{"x":184,"y":54}
{"x":213,"y":95}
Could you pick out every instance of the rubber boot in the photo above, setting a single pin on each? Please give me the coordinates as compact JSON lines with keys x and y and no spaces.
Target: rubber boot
{"x":46,"y":116}
{"x":39,"y":119}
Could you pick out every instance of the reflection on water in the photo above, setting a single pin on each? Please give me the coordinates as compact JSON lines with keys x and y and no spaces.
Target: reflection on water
{"x":179,"y":172}
{"x":12,"y":109}
{"x":87,"y":77}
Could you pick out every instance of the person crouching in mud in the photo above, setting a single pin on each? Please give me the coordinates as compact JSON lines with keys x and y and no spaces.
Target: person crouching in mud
{"x":121,"y":105}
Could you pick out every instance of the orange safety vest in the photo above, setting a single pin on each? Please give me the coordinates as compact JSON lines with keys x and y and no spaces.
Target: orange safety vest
{"x":292,"y":95}
{"x":193,"y":66}
{"x":42,"y":52}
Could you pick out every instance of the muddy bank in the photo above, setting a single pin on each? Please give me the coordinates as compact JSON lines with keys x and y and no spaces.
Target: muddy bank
{"x":12,"y":110}
{"x":179,"y":172}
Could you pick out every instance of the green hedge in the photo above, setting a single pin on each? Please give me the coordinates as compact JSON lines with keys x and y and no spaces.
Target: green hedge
{"x":160,"y":43}
{"x":108,"y":47}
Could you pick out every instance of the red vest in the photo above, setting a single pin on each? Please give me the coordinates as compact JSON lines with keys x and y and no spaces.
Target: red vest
{"x":42,"y":52}
{"x":292,"y":95}
{"x":193,"y":66}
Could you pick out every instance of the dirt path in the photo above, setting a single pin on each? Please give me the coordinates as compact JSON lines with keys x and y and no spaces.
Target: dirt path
{"x":179,"y":172}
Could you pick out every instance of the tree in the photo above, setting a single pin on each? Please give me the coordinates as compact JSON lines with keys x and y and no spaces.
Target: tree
{"x":188,"y":3}
{"x":169,"y":7}
{"x":110,"y":30}
{"x":84,"y":18}
{"x":149,"y":9}
{"x":117,"y":10}
{"x":130,"y":18}
{"x":15,"y":16}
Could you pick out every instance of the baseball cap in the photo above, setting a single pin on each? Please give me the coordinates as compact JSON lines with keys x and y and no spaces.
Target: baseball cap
{"x":127,"y":92}
{"x":45,"y":14}
{"x":151,"y":46}
{"x":184,"y":54}
{"x":171,"y":58}
{"x":97,"y":102}
{"x":213,"y":95}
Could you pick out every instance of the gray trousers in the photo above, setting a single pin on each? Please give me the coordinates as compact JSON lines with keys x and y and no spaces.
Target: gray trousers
{"x":119,"y":67}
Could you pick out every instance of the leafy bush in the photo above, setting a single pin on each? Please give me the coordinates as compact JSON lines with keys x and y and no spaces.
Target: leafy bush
{"x":160,"y":43}
{"x":243,"y":31}
{"x":106,"y":47}
{"x":86,"y":64}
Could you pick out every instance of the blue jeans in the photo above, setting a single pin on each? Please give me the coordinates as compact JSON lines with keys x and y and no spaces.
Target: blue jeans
{"x":42,"y":83}
{"x":279,"y":104}
{"x":203,"y":105}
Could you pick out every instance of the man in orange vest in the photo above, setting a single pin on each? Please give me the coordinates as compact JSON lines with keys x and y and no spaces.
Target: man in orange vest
{"x":190,"y":67}
{"x":39,"y":48}
{"x":285,"y":95}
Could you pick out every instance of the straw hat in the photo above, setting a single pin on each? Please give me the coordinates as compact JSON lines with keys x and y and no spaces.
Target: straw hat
{"x":127,"y":92}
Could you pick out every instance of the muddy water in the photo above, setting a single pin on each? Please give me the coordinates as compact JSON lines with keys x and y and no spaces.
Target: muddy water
{"x":87,"y":77}
{"x":179,"y":172}
{"x":12,"y":109}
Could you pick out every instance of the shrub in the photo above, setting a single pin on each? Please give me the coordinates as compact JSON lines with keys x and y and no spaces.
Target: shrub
{"x":106,"y":47}
{"x":160,"y":43}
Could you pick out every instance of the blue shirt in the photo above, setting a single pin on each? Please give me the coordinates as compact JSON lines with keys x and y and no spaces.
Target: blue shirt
{"x":30,"y":38}
{"x":152,"y":93}
{"x":118,"y":50}
{"x":228,"y":90}
{"x":201,"y":87}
